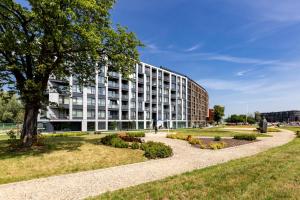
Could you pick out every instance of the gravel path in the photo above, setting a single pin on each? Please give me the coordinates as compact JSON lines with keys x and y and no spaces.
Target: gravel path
{"x":85,"y":184}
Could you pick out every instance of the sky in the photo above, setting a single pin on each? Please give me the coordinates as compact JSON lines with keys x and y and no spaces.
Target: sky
{"x":245,"y":53}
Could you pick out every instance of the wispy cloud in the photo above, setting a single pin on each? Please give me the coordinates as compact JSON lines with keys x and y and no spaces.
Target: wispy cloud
{"x":193,"y":48}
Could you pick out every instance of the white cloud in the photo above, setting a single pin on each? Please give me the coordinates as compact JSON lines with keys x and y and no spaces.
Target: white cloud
{"x":193,"y":48}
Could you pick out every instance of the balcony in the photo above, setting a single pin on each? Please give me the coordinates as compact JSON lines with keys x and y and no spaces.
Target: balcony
{"x":125,"y":117}
{"x":141,"y":80}
{"x":125,"y":97}
{"x":115,"y":96}
{"x":125,"y":87}
{"x":141,"y":90}
{"x":113,"y":74}
{"x":125,"y":107}
{"x":112,"y":106}
{"x":113,"y":117}
{"x":173,"y":96}
{"x":113,"y":84}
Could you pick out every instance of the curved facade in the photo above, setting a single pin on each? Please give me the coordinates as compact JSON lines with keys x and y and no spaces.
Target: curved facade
{"x":154,"y":96}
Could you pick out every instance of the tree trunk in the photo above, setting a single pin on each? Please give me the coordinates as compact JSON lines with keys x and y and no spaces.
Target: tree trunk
{"x":29,"y":131}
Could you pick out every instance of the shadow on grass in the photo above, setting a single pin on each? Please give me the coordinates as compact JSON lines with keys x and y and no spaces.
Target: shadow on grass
{"x":52,"y":144}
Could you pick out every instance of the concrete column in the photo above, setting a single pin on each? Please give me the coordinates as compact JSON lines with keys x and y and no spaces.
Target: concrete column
{"x":84,"y":110}
{"x":96,"y":101}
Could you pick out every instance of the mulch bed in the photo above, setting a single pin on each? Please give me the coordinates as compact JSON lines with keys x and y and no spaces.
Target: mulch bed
{"x":229,"y":142}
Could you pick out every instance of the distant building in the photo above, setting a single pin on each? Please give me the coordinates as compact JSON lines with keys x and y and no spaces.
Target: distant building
{"x":210,"y":115}
{"x":284,"y":116}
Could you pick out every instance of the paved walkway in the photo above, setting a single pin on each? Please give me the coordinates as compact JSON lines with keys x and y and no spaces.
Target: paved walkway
{"x":85,"y":184}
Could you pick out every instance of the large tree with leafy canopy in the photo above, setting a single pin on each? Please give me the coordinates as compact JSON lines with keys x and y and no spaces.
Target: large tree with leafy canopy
{"x":59,"y":37}
{"x":219,"y":112}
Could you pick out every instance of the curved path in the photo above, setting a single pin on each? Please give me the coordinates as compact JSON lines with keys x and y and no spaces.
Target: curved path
{"x":90,"y":183}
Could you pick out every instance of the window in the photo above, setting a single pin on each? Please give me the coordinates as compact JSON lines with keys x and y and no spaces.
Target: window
{"x":148,"y":79}
{"x":77,"y":113}
{"x":77,"y":100}
{"x":160,"y":99}
{"x":101,"y":114}
{"x":148,"y":97}
{"x":64,"y":100}
{"x":133,"y":95}
{"x":76,"y":88}
{"x":91,"y":90}
{"x":166,"y":91}
{"x":101,"y":80}
{"x":160,"y":91}
{"x":140,"y":104}
{"x":101,"y":102}
{"x":166,"y":99}
{"x":148,"y":115}
{"x":148,"y":88}
{"x":101,"y":91}
{"x":133,"y":104}
{"x":90,"y":101}
{"x":133,"y":114}
{"x":91,"y":113}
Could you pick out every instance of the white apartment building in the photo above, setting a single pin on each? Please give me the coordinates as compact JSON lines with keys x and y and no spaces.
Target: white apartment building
{"x":154,"y":96}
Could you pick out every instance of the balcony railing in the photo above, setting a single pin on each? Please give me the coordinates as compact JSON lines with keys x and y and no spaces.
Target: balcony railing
{"x":113,"y":84}
{"x":113,"y":95}
{"x":125,"y":87}
{"x":116,"y":117}
{"x":113,"y":106}
{"x":141,"y":80}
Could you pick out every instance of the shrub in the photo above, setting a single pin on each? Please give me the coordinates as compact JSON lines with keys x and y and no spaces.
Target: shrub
{"x":177,"y":136}
{"x":136,"y":134}
{"x":189,"y":137}
{"x":249,"y":137}
{"x":107,"y":140}
{"x":217,"y":138}
{"x":195,"y":141}
{"x":135,"y":145}
{"x":13,"y":141}
{"x":131,"y":139}
{"x":155,"y":150}
{"x":119,"y":143}
{"x":273,"y":130}
{"x":97,"y":132}
{"x":298,"y":134}
{"x":216,"y":146}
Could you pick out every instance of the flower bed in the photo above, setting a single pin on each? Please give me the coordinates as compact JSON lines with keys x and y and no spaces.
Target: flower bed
{"x":152,"y":150}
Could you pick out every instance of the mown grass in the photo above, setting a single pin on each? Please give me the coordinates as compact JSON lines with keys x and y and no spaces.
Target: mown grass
{"x":61,"y":155}
{"x":292,"y":128}
{"x":274,"y":174}
{"x":211,"y":132}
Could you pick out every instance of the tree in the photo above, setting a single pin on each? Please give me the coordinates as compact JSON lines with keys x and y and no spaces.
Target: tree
{"x":60,"y":38}
{"x":257,"y":116}
{"x":10,"y":108}
{"x":218,"y":113}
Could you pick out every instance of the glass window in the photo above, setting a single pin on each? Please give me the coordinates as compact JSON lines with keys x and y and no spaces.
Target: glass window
{"x":91,"y":113}
{"x":101,"y":102}
{"x":77,"y":113}
{"x":101,"y":114}
{"x":90,"y":101}
{"x":77,"y":100}
{"x":101,"y":79}
{"x":76,"y":88}
{"x":101,"y":91}
{"x":91,"y":90}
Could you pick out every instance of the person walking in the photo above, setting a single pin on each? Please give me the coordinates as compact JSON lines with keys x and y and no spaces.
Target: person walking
{"x":155,"y":129}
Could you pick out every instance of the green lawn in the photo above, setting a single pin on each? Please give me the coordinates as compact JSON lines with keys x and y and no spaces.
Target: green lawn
{"x":61,"y":155}
{"x":274,"y":174}
{"x":291,"y":128}
{"x":211,"y":132}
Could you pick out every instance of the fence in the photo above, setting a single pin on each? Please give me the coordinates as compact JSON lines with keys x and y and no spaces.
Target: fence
{"x":7,"y":126}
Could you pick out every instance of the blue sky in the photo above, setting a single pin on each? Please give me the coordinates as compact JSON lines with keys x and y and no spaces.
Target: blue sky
{"x":242,"y":52}
{"x":245,"y":53}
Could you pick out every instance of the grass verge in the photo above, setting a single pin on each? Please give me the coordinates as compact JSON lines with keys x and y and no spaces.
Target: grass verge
{"x":274,"y":174}
{"x":62,"y":155}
